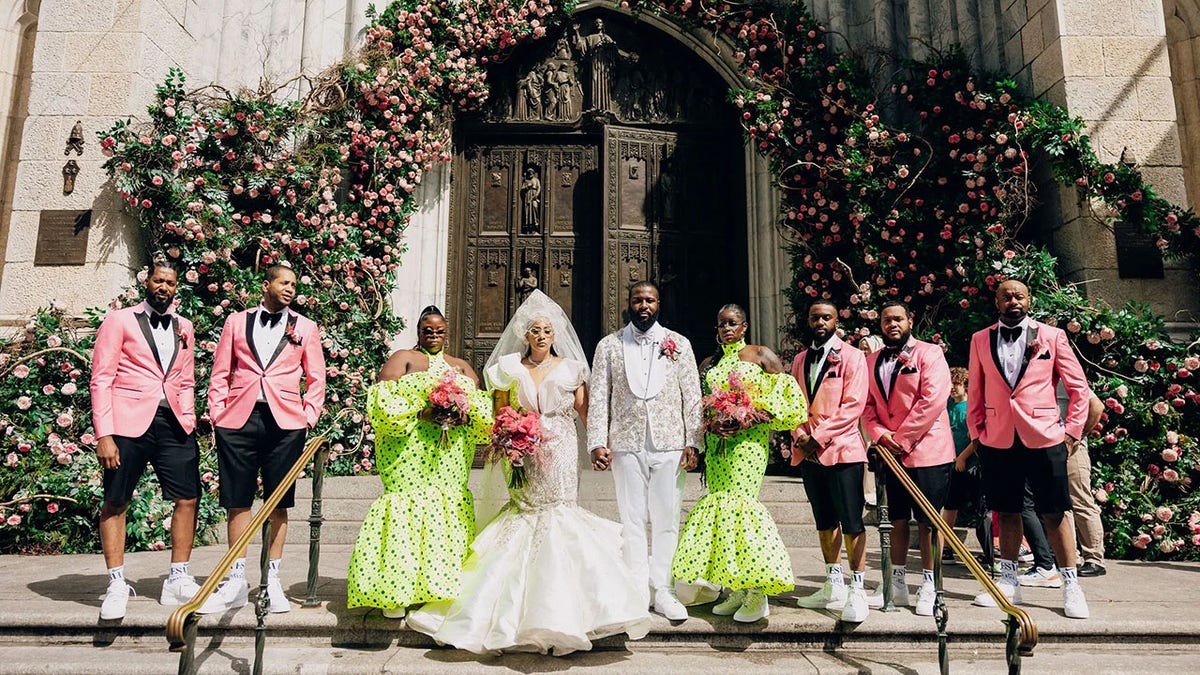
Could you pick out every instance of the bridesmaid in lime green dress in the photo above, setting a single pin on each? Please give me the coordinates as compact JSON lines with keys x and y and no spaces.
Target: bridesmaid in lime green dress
{"x":414,"y":538}
{"x":729,"y":538}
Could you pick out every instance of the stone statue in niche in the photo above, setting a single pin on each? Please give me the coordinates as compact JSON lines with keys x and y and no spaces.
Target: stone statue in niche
{"x":69,"y":171}
{"x":602,"y":52}
{"x":75,"y":140}
{"x":531,"y":203}
{"x":526,"y":283}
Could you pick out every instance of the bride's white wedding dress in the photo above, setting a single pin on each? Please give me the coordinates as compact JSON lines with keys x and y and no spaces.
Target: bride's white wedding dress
{"x":545,"y":575}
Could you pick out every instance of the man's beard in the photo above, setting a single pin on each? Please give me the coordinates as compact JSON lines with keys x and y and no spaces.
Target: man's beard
{"x":820,"y":340}
{"x":159,"y":306}
{"x":897,"y":342}
{"x":641,"y":324}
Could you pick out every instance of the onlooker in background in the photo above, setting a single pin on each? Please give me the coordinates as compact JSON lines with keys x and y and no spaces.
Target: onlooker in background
{"x":964,"y":482}
{"x":1089,"y":531}
{"x":869,"y":344}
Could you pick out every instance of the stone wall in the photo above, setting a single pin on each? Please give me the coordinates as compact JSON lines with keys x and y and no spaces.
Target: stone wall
{"x":1107,"y":63}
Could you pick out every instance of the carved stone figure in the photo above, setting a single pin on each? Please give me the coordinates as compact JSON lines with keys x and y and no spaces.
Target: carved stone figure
{"x":549,"y":93}
{"x":602,"y":51}
{"x":529,"y":96}
{"x":568,"y":103}
{"x":531,"y":202}
{"x":526,"y":284}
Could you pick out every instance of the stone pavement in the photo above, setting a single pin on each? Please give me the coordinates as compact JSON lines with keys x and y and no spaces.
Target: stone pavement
{"x":1144,"y":619}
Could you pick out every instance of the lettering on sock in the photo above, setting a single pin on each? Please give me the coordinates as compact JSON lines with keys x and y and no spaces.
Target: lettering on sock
{"x":1069,"y":575}
{"x":273,"y":567}
{"x":1008,"y":572}
{"x":899,"y":573}
{"x":836,"y":577}
{"x":857,"y":579}
{"x":116,"y":573}
{"x":928,"y":574}
{"x":238,"y":570}
{"x":178,"y":570}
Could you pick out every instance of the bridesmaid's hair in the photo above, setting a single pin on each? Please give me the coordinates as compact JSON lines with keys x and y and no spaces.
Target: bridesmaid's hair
{"x":431,"y":310}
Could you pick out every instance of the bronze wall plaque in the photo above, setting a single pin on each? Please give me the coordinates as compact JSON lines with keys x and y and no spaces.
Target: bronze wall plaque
{"x":62,"y":237}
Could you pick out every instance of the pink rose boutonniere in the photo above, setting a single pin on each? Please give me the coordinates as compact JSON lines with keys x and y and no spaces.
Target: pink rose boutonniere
{"x":669,"y":349}
{"x":834,"y":358}
{"x":183,"y":340}
{"x":1033,"y":348}
{"x":290,"y":334}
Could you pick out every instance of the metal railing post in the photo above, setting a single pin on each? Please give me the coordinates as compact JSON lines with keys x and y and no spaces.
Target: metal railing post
{"x":262,"y":604}
{"x":885,"y":533}
{"x":315,"y":519}
{"x":941,"y":614}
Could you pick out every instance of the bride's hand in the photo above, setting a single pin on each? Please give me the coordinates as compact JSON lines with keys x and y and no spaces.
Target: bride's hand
{"x":601,"y":459}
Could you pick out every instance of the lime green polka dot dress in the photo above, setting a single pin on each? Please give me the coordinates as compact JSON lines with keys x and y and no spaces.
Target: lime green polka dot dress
{"x":729,"y":537}
{"x":414,"y":538}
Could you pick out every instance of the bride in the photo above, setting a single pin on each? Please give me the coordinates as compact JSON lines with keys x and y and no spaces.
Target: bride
{"x":545,"y":575}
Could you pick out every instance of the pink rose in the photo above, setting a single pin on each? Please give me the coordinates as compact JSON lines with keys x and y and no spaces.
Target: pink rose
{"x":13,"y":520}
{"x":1167,"y":546}
{"x":1192,"y":363}
{"x":48,"y":389}
{"x":1142,"y":540}
{"x":24,"y":402}
{"x":69,"y":389}
{"x":52,"y":507}
{"x":1160,"y":408}
{"x":1172,"y":438}
{"x":1101,"y":495}
{"x":64,"y":419}
{"x":21,"y":371}
{"x":12,"y":459}
{"x":54,"y":341}
{"x":1164,"y":513}
{"x":1171,"y":476}
{"x":87,"y":439}
{"x":1170,"y":454}
{"x":64,"y":458}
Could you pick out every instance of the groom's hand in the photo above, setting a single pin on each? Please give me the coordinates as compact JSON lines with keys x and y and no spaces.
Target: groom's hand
{"x":689,"y":460}
{"x":601,"y":458}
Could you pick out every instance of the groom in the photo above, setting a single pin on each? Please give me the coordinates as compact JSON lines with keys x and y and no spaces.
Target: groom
{"x":644,"y":420}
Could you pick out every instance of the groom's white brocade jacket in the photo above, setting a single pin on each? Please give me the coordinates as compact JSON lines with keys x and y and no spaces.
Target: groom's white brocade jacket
{"x":618,"y":419}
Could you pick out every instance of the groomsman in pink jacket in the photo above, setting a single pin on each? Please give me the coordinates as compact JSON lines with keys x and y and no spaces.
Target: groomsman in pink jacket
{"x":143,"y":410}
{"x":261,"y":418}
{"x":832,"y":457}
{"x":1014,"y":422}
{"x":906,"y":416}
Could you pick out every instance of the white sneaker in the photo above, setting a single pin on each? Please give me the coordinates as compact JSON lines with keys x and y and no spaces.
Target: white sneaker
{"x":925,"y":600}
{"x":754,"y":608}
{"x":828,"y":597}
{"x":900,"y":596}
{"x":1013,"y":593}
{"x":115,"y":599}
{"x":233,"y":593}
{"x":395,"y":612}
{"x":1074,"y":604}
{"x":668,"y":605}
{"x":279,"y":601}
{"x":178,"y":591}
{"x":1040,"y":578}
{"x":731,"y":604}
{"x":855,"y":609}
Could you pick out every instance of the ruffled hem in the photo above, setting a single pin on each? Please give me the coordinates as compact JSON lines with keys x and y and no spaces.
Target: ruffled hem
{"x":730,"y":540}
{"x":547,"y":581}
{"x":410,"y":548}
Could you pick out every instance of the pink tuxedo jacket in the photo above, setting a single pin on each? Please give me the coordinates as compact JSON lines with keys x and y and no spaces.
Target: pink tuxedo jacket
{"x":237,"y":374}
{"x":914,"y":409}
{"x":835,"y":403}
{"x":127,"y":380}
{"x":998,"y":414}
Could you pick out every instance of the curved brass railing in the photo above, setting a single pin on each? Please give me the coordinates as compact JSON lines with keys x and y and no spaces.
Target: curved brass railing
{"x":1022,"y":635}
{"x":182,"y":624}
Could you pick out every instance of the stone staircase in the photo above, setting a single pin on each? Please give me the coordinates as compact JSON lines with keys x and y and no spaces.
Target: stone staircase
{"x":1144,"y":618}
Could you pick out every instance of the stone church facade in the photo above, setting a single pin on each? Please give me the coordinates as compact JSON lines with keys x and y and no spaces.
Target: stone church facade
{"x":575,"y":181}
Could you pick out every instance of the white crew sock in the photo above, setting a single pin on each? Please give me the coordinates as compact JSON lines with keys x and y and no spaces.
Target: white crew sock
{"x":238,"y":570}
{"x":834,"y":574}
{"x":1008,"y":572}
{"x":1070,"y":576}
{"x":928,"y":574}
{"x":116,"y":574}
{"x":178,"y":571}
{"x":273,"y":568}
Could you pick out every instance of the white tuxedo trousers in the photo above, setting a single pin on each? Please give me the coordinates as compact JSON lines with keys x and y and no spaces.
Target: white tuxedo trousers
{"x":649,"y":487}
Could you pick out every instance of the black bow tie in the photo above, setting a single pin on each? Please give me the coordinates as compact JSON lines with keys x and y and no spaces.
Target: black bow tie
{"x":1010,"y":334}
{"x":889,"y":353}
{"x":159,"y":320}
{"x":815,"y":354}
{"x":269,"y":319}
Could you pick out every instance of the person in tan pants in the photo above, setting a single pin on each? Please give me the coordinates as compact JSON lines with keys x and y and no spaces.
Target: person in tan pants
{"x":1089,"y":532}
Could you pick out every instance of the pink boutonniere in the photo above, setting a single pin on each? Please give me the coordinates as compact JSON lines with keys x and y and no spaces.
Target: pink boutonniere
{"x":290,"y":334}
{"x":835,"y":357}
{"x":1032,"y":347}
{"x":182,"y":338}
{"x":904,"y":357}
{"x":669,"y":349}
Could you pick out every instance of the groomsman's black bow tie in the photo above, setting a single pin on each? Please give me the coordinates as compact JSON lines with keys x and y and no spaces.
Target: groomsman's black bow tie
{"x":270,"y":319}
{"x":889,"y":353}
{"x":159,"y":320}
{"x":1010,"y":334}
{"x":817,"y":353}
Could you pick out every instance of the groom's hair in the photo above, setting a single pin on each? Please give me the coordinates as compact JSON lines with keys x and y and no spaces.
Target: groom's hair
{"x":644,"y":284}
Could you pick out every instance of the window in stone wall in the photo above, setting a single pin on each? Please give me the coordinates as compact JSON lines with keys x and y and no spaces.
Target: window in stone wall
{"x":1137,"y":255}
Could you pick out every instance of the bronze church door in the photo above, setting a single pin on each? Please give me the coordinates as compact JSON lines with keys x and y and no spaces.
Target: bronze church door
{"x":530,"y":223}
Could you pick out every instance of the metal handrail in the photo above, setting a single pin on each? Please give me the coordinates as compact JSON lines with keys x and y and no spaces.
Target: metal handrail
{"x":1022,"y":634}
{"x":183,"y":622}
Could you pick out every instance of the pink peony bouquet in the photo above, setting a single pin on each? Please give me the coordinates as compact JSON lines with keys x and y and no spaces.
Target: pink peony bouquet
{"x":449,"y":402}
{"x":515,"y":436}
{"x":728,"y":411}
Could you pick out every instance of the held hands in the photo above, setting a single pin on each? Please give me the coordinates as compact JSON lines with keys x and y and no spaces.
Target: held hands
{"x":107,"y":453}
{"x":601,"y":459}
{"x":804,"y":445}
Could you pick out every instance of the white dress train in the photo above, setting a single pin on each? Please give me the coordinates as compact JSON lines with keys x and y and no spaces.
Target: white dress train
{"x":545,"y":575}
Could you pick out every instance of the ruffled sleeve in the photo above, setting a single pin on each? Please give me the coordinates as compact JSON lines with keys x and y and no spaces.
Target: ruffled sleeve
{"x":578,"y":375}
{"x":781,"y":396}
{"x":478,"y":428}
{"x":393,"y":405}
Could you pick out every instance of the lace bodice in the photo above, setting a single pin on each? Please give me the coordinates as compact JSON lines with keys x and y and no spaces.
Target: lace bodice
{"x":554,"y":473}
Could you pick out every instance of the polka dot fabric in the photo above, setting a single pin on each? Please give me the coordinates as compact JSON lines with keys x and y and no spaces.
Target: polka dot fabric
{"x":729,"y":537}
{"x":414,"y":538}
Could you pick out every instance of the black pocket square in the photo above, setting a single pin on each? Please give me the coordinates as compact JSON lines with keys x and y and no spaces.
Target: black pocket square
{"x":908,"y":371}
{"x":830,"y":376}
{"x":1045,"y":355}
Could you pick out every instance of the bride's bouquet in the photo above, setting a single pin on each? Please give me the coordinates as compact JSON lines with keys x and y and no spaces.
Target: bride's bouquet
{"x":449,"y":402}
{"x":515,"y":436}
{"x":728,"y":411}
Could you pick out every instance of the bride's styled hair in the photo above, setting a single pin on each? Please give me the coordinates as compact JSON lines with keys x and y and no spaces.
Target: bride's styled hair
{"x":529,"y":326}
